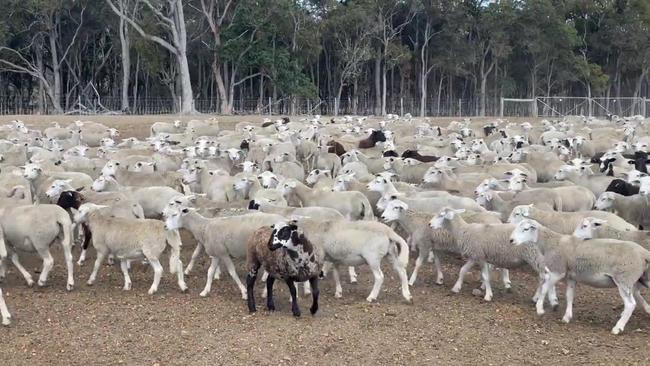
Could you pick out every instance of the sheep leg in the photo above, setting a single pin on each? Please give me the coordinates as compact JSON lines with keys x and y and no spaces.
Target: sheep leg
{"x":570,"y":295}
{"x":82,"y":257}
{"x":125,"y":271}
{"x":48,"y":263}
{"x":270,"y":305}
{"x":111,"y":260}
{"x":157,"y":274}
{"x":265,"y":276}
{"x":439,"y":275}
{"x":295,"y":309}
{"x":180,"y":277}
{"x":431,"y":256}
{"x":251,"y":277}
{"x":326,"y":268}
{"x":195,"y":256}
{"x":4,"y":311}
{"x":550,"y":279}
{"x":485,"y":276}
{"x":67,"y":255}
{"x":379,"y":280}
{"x":461,"y":275}
{"x":629,"y":304}
{"x":208,"y":285}
{"x":505,"y":278}
{"x":401,"y":273}
{"x":230,"y":266}
{"x":640,"y":300}
{"x":338,"y":293}
{"x":3,"y":269}
{"x":418,"y":264}
{"x":353,"y":274}
{"x":313,"y":283}
{"x":217,"y":271}
{"x":98,"y":263}
{"x":16,"y":262}
{"x":307,"y":287}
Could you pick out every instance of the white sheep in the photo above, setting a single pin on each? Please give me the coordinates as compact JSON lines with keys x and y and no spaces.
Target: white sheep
{"x":129,"y":239}
{"x":633,"y":209}
{"x":596,"y":262}
{"x":565,"y":222}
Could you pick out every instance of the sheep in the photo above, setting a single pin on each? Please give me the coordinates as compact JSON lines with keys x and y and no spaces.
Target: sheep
{"x":320,"y":179}
{"x":129,"y":178}
{"x":375,"y":137}
{"x":164,"y":127}
{"x":415,"y":224}
{"x":573,"y":198}
{"x":321,"y":213}
{"x":357,"y":242}
{"x":222,"y":238}
{"x":129,"y":239}
{"x":582,"y":176}
{"x":440,"y":179}
{"x":432,"y":204}
{"x":327,"y":161}
{"x":352,"y":205}
{"x":565,"y":222}
{"x":407,"y":173}
{"x":488,"y":244}
{"x":40,"y":180}
{"x":633,"y":209}
{"x":335,"y":147}
{"x":592,"y":227}
{"x":375,"y":165}
{"x":285,"y":253}
{"x":622,"y":187}
{"x":416,"y":155}
{"x":596,"y":262}
{"x":18,"y":225}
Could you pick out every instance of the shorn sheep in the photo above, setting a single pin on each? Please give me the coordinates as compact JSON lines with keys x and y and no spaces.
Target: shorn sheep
{"x":129,"y":239}
{"x":599,"y":263}
{"x":4,"y":311}
{"x":286,"y":254}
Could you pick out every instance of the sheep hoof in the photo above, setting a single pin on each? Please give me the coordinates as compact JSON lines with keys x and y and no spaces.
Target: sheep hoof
{"x":41,"y":283}
{"x":183,"y":287}
{"x":566,"y":319}
{"x":509,"y":290}
{"x":69,"y":287}
{"x":540,"y":312}
{"x":353,"y":280}
{"x":455,"y":289}
{"x":617,"y":330}
{"x":440,"y":282}
{"x":554,"y":307}
{"x":90,"y":283}
{"x":152,"y":291}
{"x":244,"y":296}
{"x":313,"y":310}
{"x":338,"y":295}
{"x":6,"y":321}
{"x":487,"y":298}
{"x":186,"y":272}
{"x":370,"y":299}
{"x":30,"y":283}
{"x":80,"y":263}
{"x":203,"y":294}
{"x":270,"y":307}
{"x":126,"y":287}
{"x":296,"y":313}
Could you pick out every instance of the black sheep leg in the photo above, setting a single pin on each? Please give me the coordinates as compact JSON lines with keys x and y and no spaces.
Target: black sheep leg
{"x":251,"y":277}
{"x":315,"y":292}
{"x":294,"y":299}
{"x":270,"y":305}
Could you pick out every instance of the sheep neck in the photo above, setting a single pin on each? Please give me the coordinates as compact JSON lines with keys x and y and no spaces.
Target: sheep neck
{"x":196,"y":224}
{"x":549,"y":240}
{"x":410,"y":221}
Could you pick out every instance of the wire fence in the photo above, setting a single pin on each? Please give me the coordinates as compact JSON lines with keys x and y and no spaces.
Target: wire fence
{"x":445,"y":107}
{"x":574,"y":106}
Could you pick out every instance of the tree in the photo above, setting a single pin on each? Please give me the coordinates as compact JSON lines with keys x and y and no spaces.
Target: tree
{"x":169,"y":16}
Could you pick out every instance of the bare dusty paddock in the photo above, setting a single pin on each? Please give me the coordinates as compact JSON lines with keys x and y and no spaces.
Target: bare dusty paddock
{"x":102,"y":325}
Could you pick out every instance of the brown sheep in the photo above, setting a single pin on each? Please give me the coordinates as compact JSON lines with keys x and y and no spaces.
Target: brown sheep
{"x":285,"y":253}
{"x":335,"y":147}
{"x":375,"y":137}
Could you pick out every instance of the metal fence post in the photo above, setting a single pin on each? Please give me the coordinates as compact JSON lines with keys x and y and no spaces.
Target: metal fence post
{"x":644,"y":102}
{"x":501,"y":108}
{"x":336,"y":106}
{"x":401,"y":106}
{"x":270,"y":107}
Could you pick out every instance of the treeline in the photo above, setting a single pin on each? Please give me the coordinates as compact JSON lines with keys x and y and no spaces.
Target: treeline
{"x":57,"y":54}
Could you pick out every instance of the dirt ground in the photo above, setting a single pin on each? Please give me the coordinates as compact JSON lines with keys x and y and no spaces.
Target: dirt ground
{"x":102,"y":325}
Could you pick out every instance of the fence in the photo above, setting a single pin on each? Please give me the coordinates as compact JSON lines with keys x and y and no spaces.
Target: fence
{"x":445,"y":107}
{"x":566,"y":106}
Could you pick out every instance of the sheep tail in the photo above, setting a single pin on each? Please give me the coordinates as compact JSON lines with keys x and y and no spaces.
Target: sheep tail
{"x":401,"y":246}
{"x":174,"y":241}
{"x":367,"y":213}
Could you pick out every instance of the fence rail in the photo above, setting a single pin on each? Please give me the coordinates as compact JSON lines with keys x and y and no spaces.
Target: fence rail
{"x":566,"y":106}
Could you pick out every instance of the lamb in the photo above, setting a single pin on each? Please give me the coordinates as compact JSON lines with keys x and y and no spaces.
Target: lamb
{"x":223,"y":238}
{"x":53,"y":222}
{"x":633,"y":209}
{"x":129,"y":239}
{"x":592,"y":227}
{"x":415,"y":224}
{"x":596,"y":262}
{"x":565,"y":222}
{"x":352,"y":205}
{"x":356,"y":242}
{"x":320,"y":213}
{"x":286,"y":254}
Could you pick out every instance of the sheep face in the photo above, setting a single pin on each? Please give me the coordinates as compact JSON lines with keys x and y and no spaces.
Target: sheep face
{"x":57,"y":187}
{"x":605,"y":201}
{"x":32,"y":171}
{"x":377,"y":185}
{"x":191,"y":175}
{"x":84,"y":211}
{"x":517,"y":184}
{"x":527,"y":231}
{"x":268,"y":180}
{"x":102,"y":183}
{"x":285,"y":235}
{"x":587,"y":227}
{"x":433,"y":176}
{"x":519,"y":214}
{"x":249,"y":167}
{"x":394,"y":211}
{"x":235,"y":154}
{"x":174,"y":217}
{"x":110,"y":168}
{"x":243,"y":185}
{"x":288,"y":188}
{"x":446,"y":214}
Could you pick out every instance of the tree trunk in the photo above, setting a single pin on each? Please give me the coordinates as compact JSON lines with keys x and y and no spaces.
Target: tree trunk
{"x":378,"y":110}
{"x":126,"y":60}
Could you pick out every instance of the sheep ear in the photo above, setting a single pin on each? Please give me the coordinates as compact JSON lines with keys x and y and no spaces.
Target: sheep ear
{"x":80,"y":189}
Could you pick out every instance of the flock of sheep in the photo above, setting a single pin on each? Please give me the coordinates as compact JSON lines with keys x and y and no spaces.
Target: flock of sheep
{"x":566,"y":198}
